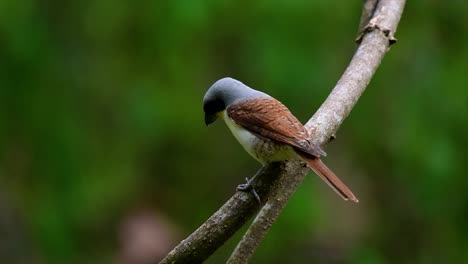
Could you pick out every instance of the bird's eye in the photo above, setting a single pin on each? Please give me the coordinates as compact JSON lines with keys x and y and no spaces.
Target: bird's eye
{"x":213,"y":106}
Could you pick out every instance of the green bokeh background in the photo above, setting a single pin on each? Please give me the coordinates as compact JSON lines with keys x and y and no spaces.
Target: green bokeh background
{"x":101,"y":119}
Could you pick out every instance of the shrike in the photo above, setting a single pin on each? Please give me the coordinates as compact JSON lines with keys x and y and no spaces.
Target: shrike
{"x":266,"y":129}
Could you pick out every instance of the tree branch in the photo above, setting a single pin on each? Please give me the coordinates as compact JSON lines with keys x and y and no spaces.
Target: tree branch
{"x":226,"y":221}
{"x":277,"y":182}
{"x":376,"y":39}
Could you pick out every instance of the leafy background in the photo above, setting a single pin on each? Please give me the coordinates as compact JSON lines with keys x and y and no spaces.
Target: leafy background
{"x":104,"y":156}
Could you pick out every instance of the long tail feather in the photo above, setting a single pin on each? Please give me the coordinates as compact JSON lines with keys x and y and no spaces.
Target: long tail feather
{"x":330,"y":178}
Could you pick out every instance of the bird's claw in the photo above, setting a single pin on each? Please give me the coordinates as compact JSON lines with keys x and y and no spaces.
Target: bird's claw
{"x":248,"y":187}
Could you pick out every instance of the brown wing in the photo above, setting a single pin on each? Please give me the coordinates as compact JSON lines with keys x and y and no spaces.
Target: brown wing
{"x":269,"y":118}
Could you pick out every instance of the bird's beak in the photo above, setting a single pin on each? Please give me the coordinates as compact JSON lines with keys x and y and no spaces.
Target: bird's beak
{"x":210,"y":118}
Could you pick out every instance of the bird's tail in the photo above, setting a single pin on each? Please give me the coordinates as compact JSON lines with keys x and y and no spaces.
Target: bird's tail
{"x":329,"y":177}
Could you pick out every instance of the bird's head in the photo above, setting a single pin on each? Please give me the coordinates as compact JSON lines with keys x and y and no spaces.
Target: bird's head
{"x":222,"y":94}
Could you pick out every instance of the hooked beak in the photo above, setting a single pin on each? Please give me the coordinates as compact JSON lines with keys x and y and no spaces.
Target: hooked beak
{"x":210,"y":118}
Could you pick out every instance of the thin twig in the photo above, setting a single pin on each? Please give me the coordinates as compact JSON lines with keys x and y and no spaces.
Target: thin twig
{"x":377,"y":38}
{"x":238,"y":209}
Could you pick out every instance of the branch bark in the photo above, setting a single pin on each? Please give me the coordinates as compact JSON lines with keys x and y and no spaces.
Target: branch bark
{"x":368,"y":9}
{"x":277,"y":182}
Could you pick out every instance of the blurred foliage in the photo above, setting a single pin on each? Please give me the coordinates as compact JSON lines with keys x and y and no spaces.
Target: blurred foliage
{"x":100,"y":117}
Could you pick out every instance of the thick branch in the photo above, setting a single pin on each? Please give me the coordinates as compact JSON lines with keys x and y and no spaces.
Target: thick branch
{"x":375,"y":43}
{"x":226,"y":221}
{"x":281,"y":181}
{"x":326,"y":121}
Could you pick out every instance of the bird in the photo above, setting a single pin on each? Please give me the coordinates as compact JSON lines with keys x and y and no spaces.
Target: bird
{"x":267,"y":130}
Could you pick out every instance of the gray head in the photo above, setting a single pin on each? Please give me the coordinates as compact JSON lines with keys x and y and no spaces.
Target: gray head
{"x":223,"y":93}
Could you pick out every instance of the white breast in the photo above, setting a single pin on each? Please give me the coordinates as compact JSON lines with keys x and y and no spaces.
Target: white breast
{"x":245,"y":138}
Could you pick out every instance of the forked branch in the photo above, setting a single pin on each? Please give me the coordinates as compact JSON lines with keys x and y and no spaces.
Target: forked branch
{"x":374,"y":41}
{"x":277,"y":182}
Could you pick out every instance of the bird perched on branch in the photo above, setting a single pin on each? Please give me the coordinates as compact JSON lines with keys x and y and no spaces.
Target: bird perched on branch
{"x":267,"y":130}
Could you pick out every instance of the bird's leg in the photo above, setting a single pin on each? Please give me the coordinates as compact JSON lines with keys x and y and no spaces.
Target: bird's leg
{"x":248,"y":186}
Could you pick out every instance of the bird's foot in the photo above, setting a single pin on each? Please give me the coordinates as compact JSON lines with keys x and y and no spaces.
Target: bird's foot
{"x":248,"y":188}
